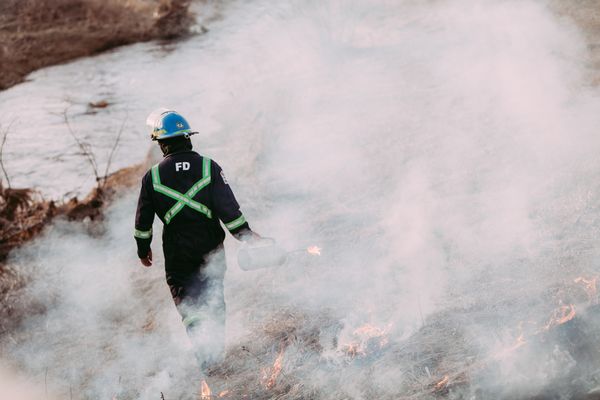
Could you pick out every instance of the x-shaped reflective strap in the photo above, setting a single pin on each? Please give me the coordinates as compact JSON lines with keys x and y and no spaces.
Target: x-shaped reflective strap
{"x":184,"y":199}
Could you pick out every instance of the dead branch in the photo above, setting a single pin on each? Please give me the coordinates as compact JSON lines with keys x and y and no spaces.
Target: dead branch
{"x":90,"y":156}
{"x":4,"y":133}
{"x":113,"y":150}
{"x":84,"y":147}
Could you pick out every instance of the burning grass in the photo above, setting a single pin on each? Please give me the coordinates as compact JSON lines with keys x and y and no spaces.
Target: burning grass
{"x":38,"y":33}
{"x":294,"y":354}
{"x":291,"y":348}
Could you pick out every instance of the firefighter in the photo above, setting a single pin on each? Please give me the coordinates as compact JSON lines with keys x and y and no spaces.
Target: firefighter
{"x":190,"y":195}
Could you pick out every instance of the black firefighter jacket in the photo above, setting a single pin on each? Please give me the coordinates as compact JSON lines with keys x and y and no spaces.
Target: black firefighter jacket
{"x":190,"y":194}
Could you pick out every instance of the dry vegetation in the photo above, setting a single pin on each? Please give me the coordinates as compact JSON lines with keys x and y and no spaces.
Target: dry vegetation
{"x":586,"y":15}
{"x":38,"y":33}
{"x":24,"y":214}
{"x":289,"y":356}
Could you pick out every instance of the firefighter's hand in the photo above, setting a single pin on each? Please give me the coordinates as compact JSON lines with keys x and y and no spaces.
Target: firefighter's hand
{"x":250,"y":237}
{"x":147,"y":261}
{"x":255,"y":237}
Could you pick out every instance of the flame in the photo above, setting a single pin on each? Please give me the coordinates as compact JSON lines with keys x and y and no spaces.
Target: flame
{"x":314,"y":250}
{"x":370,"y":331}
{"x":276,"y":370}
{"x":520,"y":342}
{"x":354,"y":350}
{"x":223,"y":393}
{"x":568,"y":313}
{"x":366,"y":335}
{"x":205,"y":393}
{"x":442,"y":384}
{"x":561,"y":315}
{"x":589,"y":285}
{"x":520,"y":339}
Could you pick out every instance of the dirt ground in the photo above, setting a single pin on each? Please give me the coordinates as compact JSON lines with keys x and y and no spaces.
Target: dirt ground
{"x":39,"y":33}
{"x":586,"y":15}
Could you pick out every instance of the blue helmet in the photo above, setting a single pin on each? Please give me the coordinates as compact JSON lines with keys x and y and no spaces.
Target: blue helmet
{"x":167,"y":124}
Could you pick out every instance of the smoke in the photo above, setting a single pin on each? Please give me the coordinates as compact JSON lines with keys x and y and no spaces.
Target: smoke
{"x":441,"y":153}
{"x":17,"y":387}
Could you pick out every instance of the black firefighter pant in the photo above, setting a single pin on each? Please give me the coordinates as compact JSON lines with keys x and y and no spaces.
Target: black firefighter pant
{"x":195,"y":278}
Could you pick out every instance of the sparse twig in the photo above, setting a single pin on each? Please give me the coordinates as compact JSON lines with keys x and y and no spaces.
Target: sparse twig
{"x":113,"y":149}
{"x":90,"y":155}
{"x":4,"y":137}
{"x":162,"y":396}
{"x":84,"y":147}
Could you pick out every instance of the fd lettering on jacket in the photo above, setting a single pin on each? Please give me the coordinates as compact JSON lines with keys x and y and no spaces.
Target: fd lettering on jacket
{"x":182,"y":166}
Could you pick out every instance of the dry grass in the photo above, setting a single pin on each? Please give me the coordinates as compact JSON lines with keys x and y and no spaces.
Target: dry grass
{"x":441,"y":360}
{"x":23,"y":216}
{"x":38,"y":33}
{"x":24,"y":213}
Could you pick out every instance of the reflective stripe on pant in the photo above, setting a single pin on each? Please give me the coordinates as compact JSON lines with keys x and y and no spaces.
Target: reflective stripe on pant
{"x":200,"y":301}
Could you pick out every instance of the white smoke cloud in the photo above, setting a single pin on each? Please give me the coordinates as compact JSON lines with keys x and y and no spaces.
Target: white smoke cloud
{"x":440,"y":153}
